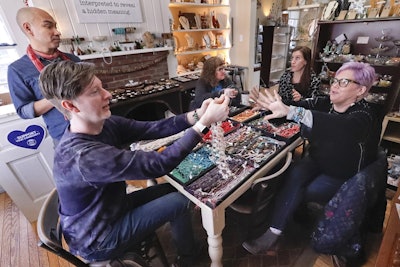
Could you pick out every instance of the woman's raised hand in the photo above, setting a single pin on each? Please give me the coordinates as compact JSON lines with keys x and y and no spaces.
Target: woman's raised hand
{"x":269,"y":101}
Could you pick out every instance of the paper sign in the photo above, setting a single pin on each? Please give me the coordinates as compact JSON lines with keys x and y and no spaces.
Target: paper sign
{"x":108,"y":11}
{"x":31,"y":138}
{"x":362,"y":40}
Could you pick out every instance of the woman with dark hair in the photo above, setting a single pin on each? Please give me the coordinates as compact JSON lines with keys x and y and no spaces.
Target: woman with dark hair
{"x":300,"y":81}
{"x":213,"y":82}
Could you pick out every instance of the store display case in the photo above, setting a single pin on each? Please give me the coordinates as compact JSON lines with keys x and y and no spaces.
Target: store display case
{"x":338,"y":42}
{"x":275,"y":48}
{"x":200,"y":30}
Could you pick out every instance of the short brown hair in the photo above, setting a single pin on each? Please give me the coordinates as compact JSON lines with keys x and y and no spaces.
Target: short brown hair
{"x":65,"y":80}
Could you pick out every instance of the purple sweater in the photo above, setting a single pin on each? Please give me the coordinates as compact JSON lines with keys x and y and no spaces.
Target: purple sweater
{"x":90,"y":173}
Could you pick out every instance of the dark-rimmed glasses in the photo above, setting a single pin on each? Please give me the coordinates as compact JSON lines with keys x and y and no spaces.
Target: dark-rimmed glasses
{"x":342,"y":82}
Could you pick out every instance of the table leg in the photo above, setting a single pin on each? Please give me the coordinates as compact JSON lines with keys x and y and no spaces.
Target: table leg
{"x":215,"y":250}
{"x":214,"y":222}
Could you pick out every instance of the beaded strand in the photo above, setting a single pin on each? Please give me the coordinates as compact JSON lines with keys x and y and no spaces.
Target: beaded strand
{"x":218,"y":146}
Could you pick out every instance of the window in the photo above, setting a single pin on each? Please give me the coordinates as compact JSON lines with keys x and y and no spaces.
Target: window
{"x":8,"y":53}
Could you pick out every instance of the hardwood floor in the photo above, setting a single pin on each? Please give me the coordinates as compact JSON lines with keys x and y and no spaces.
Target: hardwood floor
{"x":19,"y":240}
{"x":19,"y":247}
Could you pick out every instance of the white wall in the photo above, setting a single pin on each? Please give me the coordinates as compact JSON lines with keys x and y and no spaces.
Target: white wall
{"x":155,"y":15}
{"x":244,"y":28}
{"x":9,"y":10}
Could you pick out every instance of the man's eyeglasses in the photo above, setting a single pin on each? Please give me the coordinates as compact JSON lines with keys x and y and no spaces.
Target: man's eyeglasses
{"x":342,"y":82}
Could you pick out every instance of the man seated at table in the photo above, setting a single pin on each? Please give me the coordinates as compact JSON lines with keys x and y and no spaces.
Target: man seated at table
{"x":99,"y":220}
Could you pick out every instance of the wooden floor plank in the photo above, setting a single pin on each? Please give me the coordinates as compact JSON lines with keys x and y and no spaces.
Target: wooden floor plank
{"x":34,"y":250}
{"x":6,"y":229}
{"x":2,"y":211}
{"x":15,"y":238}
{"x":16,"y":228}
{"x":23,"y":233}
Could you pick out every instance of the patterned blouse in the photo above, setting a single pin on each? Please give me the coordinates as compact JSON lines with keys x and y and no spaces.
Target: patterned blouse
{"x":286,"y":86}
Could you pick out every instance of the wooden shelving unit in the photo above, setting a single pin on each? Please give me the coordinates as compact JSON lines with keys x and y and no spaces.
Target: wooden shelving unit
{"x":208,"y":39}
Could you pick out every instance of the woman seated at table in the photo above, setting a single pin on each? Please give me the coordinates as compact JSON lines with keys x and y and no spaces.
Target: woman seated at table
{"x":343,"y":132}
{"x":300,"y":81}
{"x":213,"y":82}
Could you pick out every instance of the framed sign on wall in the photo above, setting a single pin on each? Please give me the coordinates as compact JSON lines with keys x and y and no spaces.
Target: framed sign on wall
{"x":108,"y":11}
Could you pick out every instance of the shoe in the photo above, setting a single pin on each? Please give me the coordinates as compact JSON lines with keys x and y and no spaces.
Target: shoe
{"x":338,"y":261}
{"x":189,"y":261}
{"x":261,"y":243}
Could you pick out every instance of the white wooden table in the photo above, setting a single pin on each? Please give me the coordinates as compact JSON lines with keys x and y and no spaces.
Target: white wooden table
{"x":213,"y":219}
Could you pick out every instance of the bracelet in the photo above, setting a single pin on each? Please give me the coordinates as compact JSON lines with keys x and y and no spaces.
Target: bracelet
{"x":299,"y":114}
{"x":196,"y":116}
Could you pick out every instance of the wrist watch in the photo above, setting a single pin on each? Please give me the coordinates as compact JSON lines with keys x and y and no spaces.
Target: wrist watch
{"x":203,"y":129}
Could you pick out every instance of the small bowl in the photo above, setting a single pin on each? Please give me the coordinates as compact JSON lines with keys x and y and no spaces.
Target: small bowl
{"x":100,"y":38}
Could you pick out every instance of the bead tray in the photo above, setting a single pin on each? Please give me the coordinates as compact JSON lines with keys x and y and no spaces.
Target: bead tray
{"x":251,"y":144}
{"x":194,"y":165}
{"x":233,"y":110}
{"x":211,"y":188}
{"x":280,"y":129}
{"x":228,"y":126}
{"x":247,"y":149}
{"x":245,"y":115}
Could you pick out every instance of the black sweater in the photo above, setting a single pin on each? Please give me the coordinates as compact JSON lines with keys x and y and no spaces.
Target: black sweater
{"x":342,"y":143}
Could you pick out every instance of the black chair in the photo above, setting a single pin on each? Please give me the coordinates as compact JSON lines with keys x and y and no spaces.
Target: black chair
{"x":50,"y":238}
{"x":255,"y":201}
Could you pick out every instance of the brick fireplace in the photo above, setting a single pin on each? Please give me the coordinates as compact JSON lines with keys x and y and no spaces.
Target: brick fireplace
{"x":116,"y":72}
{"x":136,"y":67}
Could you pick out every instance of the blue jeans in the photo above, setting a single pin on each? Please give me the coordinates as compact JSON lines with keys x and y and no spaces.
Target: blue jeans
{"x":150,"y":208}
{"x":303,"y":181}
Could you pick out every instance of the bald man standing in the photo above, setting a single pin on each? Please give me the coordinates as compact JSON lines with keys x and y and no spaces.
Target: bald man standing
{"x":44,"y":40}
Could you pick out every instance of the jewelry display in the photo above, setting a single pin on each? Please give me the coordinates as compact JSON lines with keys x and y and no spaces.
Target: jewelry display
{"x":227,"y":126}
{"x":206,"y":41}
{"x":329,"y":11}
{"x":247,"y":149}
{"x":151,"y":145}
{"x":250,"y":144}
{"x":218,"y":147}
{"x":195,"y":164}
{"x":245,"y":115}
{"x":211,"y":188}
{"x":189,"y":40}
{"x":285,"y":130}
{"x":184,"y":22}
{"x":213,"y":40}
{"x":382,"y":47}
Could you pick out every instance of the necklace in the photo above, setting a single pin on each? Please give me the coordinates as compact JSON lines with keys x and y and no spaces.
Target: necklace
{"x":218,"y":147}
